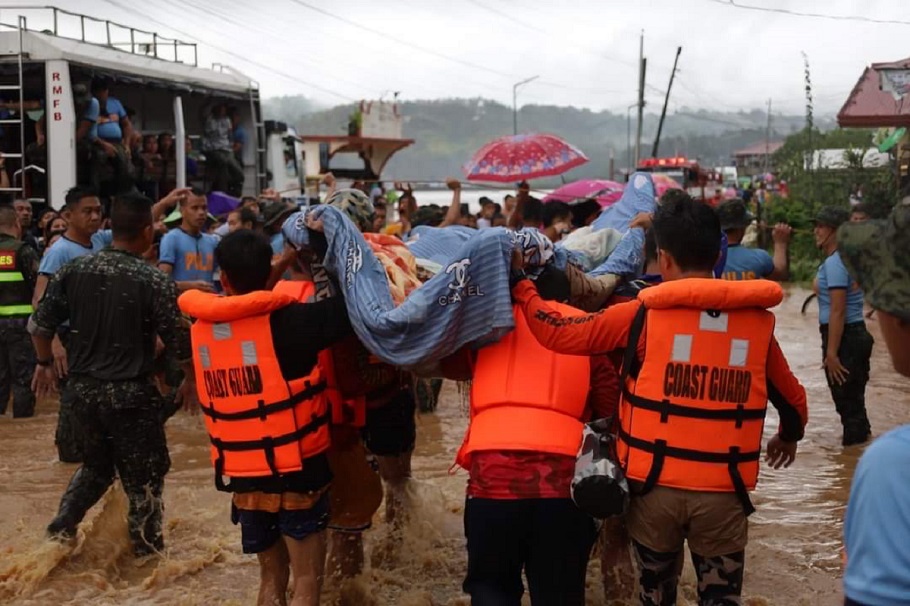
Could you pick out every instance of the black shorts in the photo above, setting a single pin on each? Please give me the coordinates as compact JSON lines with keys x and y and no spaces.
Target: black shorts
{"x":391,"y":429}
{"x":260,"y":530}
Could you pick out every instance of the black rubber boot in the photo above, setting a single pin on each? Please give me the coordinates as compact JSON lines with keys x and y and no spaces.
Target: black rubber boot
{"x":85,"y":489}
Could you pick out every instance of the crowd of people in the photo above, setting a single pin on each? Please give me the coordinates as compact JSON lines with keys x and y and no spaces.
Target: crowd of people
{"x":133,"y":312}
{"x":114,"y":157}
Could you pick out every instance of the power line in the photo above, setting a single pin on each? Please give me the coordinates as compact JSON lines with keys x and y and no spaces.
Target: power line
{"x":382,"y":34}
{"x":785,"y":11}
{"x":231,"y":53}
{"x":513,"y":20}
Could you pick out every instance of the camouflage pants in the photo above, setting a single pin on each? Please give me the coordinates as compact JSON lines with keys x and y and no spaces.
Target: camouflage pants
{"x":17,"y":364}
{"x":720,"y":578}
{"x":123,"y":433}
{"x":69,"y":434}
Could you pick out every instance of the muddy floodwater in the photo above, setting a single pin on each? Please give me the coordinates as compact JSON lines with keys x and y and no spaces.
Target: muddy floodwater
{"x":793,"y":556}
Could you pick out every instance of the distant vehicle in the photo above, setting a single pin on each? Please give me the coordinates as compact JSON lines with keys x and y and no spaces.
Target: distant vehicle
{"x":729,"y":175}
{"x":700,"y":183}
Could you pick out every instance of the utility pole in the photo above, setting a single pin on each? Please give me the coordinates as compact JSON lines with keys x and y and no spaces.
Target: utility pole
{"x":642,"y":68}
{"x":767,"y":164}
{"x":629,"y":164}
{"x":663,"y":114}
{"x":515,"y":102}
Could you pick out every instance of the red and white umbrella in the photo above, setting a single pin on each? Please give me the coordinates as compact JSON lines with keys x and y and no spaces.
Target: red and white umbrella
{"x":523,"y":157}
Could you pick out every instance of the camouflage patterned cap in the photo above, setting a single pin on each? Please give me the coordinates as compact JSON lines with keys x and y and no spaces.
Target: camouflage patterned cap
{"x":356,"y":205}
{"x":832,"y":216}
{"x":877,"y":254}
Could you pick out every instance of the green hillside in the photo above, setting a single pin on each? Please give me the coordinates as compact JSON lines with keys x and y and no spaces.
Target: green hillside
{"x":448,"y":131}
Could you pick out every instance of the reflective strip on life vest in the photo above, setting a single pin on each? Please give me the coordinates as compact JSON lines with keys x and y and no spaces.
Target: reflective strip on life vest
{"x":11,"y":276}
{"x":267,"y":445}
{"x":15,"y":310}
{"x":263,"y":410}
{"x":731,"y":459}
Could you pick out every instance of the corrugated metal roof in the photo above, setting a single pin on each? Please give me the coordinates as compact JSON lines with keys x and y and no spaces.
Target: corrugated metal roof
{"x":760,"y":148}
{"x":44,"y":47}
{"x":869,"y":107}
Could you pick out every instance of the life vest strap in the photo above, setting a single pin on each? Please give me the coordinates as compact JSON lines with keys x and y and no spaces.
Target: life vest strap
{"x":667,"y":408}
{"x":267,"y":444}
{"x":660,"y":451}
{"x":263,"y":409}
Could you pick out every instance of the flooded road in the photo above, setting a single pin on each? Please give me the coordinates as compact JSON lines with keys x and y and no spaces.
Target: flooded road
{"x":793,"y":556}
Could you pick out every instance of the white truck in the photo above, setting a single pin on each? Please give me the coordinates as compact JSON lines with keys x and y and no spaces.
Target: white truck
{"x":46,"y":52}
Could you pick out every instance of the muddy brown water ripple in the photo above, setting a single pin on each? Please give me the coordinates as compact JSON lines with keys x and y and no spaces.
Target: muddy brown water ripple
{"x":793,"y":555}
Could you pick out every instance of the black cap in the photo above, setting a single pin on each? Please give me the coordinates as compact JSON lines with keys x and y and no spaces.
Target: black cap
{"x":733,"y":214}
{"x":832,"y":216}
{"x":485,"y":200}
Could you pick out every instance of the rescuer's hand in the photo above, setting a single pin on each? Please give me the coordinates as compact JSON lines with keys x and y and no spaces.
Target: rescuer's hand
{"x":837,"y":372}
{"x":60,"y":365}
{"x":453,"y":183}
{"x":315,"y":223}
{"x":642,"y":220}
{"x":328,"y":179}
{"x":780,"y":453}
{"x":518,"y":260}
{"x":781,"y":233}
{"x":187,"y":396}
{"x":44,"y":381}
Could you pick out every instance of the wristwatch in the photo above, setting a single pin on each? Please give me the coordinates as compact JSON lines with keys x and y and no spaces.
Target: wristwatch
{"x":46,"y":363}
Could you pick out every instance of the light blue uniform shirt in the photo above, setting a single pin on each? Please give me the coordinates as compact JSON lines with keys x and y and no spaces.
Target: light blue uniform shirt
{"x":65,"y":250}
{"x":833,"y":274}
{"x":192,"y":257}
{"x":877,"y":525}
{"x":91,"y":114}
{"x":111,"y":131}
{"x":747,"y":263}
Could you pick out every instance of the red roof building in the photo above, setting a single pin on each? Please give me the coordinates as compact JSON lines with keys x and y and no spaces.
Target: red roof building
{"x":868,"y":106}
{"x":755,"y":159}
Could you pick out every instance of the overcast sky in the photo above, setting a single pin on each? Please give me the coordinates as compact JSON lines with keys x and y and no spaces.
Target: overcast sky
{"x":585,"y":52}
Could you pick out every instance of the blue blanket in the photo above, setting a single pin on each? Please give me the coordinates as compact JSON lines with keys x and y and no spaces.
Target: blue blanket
{"x":468,"y":303}
{"x":627,"y":258}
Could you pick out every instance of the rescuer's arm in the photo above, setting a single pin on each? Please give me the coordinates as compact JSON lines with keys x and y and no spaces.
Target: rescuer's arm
{"x":781,"y":237}
{"x":315,"y":326}
{"x":787,"y":395}
{"x":589,"y":293}
{"x":836,"y":371}
{"x":51,"y":312}
{"x":603,"y":395}
{"x":174,"y":332}
{"x":454,"y":212}
{"x":582,"y":335}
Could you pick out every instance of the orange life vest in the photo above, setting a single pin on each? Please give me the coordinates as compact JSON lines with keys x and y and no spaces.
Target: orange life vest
{"x":526,"y":397}
{"x":259,"y":423}
{"x":693,"y":411}
{"x":345,"y":410}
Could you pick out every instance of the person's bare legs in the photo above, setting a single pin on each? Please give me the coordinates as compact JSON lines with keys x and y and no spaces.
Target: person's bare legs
{"x":273,"y":576}
{"x":308,"y":566}
{"x":395,"y":472}
{"x":346,"y":555}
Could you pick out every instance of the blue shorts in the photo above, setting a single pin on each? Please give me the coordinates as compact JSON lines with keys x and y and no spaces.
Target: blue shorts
{"x":260,"y":530}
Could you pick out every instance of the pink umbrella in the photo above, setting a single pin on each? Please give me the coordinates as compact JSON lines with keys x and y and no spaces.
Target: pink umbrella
{"x":523,"y":157}
{"x":662,"y":183}
{"x":604,"y":191}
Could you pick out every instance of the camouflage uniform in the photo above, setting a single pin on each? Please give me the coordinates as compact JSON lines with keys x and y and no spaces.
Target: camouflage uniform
{"x":117,"y":305}
{"x":19,"y":266}
{"x":720,"y":578}
{"x":877,"y":254}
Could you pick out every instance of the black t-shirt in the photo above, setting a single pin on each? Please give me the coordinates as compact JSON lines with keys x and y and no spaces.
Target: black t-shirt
{"x":299,"y":332}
